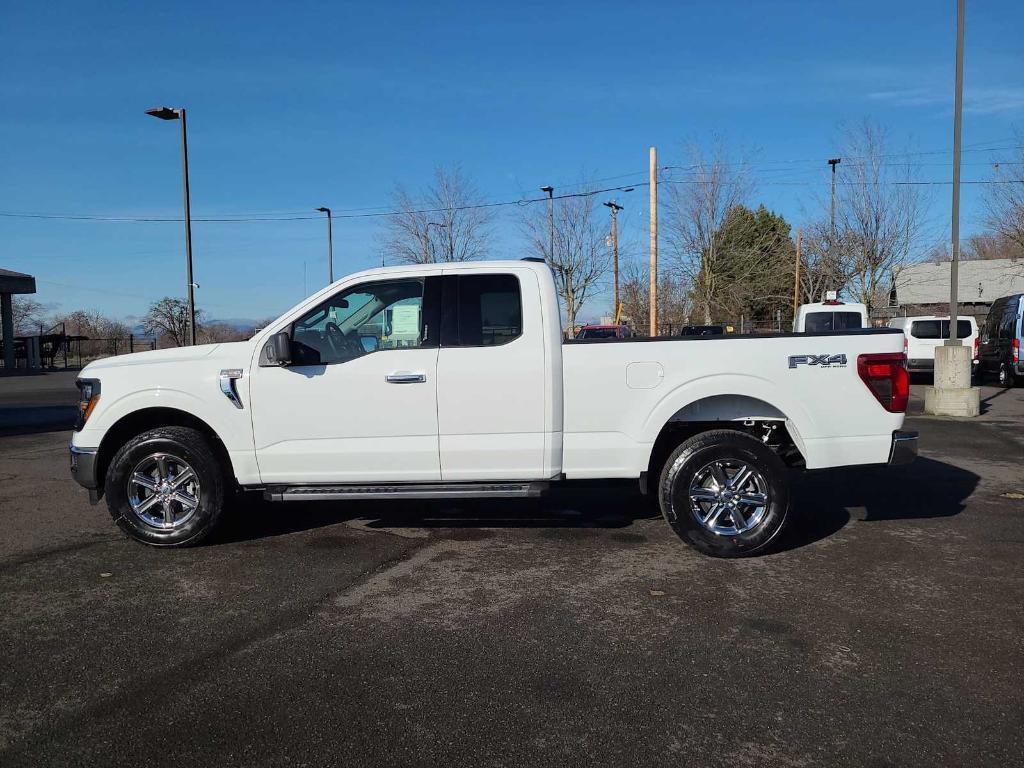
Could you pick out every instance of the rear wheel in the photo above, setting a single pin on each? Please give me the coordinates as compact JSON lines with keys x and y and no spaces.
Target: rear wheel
{"x":165,"y":487}
{"x":725,"y":493}
{"x":1006,"y":377}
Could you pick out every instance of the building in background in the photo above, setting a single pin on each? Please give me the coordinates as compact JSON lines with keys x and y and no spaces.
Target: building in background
{"x":11,"y":283}
{"x":923,"y":289}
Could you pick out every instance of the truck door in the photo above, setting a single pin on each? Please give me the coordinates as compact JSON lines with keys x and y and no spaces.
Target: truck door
{"x":358,"y":403}
{"x":491,"y":377}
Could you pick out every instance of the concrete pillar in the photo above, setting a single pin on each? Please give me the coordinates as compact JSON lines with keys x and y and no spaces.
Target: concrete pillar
{"x":33,"y":353}
{"x":7,"y":318}
{"x":952,"y":393}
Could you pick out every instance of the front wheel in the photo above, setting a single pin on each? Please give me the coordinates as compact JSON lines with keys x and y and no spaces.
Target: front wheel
{"x":165,"y":487}
{"x":725,"y":493}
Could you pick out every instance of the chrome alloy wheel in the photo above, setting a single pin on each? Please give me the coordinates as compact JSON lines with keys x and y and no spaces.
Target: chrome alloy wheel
{"x":728,"y":497}
{"x":163,"y":491}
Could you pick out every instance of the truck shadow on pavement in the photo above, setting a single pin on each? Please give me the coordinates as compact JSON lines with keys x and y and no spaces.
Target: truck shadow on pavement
{"x":613,"y":505}
{"x":826,"y":500}
{"x":823,"y":501}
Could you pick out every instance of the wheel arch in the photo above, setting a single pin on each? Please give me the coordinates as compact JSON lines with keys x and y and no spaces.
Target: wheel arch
{"x":743,"y":413}
{"x":138,"y":421}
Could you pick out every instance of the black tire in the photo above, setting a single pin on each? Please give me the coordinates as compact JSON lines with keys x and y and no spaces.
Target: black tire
{"x":1006,"y":376}
{"x":178,"y":444}
{"x":729,"y":447}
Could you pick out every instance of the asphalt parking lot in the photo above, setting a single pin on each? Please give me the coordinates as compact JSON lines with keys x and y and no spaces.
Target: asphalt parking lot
{"x":574,"y":631}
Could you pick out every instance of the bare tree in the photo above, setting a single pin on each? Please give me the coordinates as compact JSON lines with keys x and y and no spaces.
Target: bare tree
{"x":28,"y":315}
{"x":825,"y":263}
{"x":635,"y":292}
{"x":697,"y":207}
{"x":167,"y":320}
{"x":91,"y":324}
{"x":1005,"y":198}
{"x":582,"y":256}
{"x":448,"y":223}
{"x":878,"y":214}
{"x":105,"y":336}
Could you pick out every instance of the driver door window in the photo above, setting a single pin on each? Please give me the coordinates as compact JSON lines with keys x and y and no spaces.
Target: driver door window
{"x":361,"y":320}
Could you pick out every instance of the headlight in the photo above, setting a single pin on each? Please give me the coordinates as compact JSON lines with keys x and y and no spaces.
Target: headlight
{"x":88,"y":396}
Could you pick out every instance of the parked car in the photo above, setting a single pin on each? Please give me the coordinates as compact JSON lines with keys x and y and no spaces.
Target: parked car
{"x":702,"y":330}
{"x":830,"y":315}
{"x":999,"y":351}
{"x":604,"y":332}
{"x":487,"y":401}
{"x":923,"y":333}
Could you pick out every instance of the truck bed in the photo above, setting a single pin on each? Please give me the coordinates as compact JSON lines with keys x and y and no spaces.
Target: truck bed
{"x":619,"y":393}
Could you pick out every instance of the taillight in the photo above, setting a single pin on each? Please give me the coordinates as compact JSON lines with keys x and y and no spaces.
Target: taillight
{"x":977,"y":346}
{"x":885,"y":374}
{"x":906,"y":346}
{"x":1016,"y":350}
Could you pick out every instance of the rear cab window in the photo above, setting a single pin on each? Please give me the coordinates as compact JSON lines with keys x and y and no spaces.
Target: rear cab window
{"x":823,"y":322}
{"x":481,"y":310}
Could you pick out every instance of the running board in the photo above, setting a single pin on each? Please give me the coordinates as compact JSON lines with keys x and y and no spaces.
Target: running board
{"x":405,"y":491}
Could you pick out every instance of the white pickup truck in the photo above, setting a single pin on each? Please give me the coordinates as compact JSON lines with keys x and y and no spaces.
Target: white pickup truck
{"x":453,"y":380}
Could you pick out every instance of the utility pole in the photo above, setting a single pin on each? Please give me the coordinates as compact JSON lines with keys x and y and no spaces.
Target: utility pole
{"x":330,"y":246}
{"x":653,"y":312}
{"x":834,"y":162}
{"x":796,"y":277}
{"x":551,"y":221}
{"x":615,"y":208}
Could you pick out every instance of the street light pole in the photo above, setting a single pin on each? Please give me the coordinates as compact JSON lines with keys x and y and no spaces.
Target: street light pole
{"x":952,"y":393}
{"x":167,"y":113}
{"x":551,"y":221}
{"x":330,"y":246}
{"x":958,"y":109}
{"x":834,"y":162}
{"x":615,"y":208}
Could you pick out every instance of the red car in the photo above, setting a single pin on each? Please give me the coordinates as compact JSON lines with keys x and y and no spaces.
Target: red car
{"x":604,"y":332}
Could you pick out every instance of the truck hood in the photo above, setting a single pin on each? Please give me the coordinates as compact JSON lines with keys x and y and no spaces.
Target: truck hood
{"x":237,"y":352}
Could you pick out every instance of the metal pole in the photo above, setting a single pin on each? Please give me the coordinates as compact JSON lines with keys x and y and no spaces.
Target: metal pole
{"x":834,"y":162}
{"x":330,"y":249}
{"x":615,"y":208}
{"x":188,"y":231}
{"x":796,"y":277}
{"x":958,"y":107}
{"x":551,"y":223}
{"x":653,"y":312}
{"x":615,"y":259}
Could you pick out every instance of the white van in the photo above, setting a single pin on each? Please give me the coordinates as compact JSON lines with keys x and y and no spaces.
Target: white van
{"x":923,"y":333}
{"x":830,"y":315}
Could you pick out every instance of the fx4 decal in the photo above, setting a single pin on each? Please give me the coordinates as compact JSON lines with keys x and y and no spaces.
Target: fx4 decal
{"x":825,"y":361}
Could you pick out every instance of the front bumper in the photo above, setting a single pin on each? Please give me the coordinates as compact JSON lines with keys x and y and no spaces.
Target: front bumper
{"x":83,"y":469}
{"x":904,"y":447}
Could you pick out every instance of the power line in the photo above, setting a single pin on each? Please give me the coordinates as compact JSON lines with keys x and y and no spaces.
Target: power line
{"x":385,"y":212}
{"x":257,"y":218}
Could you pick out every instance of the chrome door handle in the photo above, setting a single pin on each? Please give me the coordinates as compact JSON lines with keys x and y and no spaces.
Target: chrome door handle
{"x":405,"y":378}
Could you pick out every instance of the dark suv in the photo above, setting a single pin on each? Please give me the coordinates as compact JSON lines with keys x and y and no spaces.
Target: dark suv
{"x":999,"y":350}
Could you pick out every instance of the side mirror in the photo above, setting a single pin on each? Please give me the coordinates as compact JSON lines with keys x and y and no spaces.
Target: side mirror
{"x":279,"y":349}
{"x":370,"y":343}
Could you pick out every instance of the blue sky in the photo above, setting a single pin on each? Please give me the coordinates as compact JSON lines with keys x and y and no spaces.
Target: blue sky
{"x":296,"y":105}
